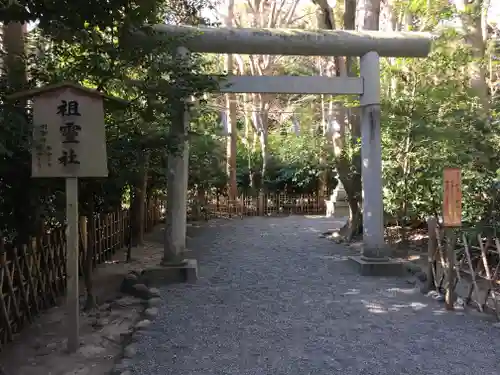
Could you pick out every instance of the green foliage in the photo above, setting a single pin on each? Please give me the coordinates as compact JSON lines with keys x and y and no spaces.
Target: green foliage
{"x":295,"y":165}
{"x":207,"y":168}
{"x":432,"y":124}
{"x":88,"y":44}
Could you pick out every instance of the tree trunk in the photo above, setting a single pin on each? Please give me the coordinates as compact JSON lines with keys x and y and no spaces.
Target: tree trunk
{"x":262,"y":129}
{"x":263,"y":137}
{"x":473,"y":17}
{"x":13,"y":40}
{"x":200,"y":203}
{"x":138,"y":216}
{"x":351,"y":180}
{"x":14,"y":66}
{"x":231,"y":118}
{"x":369,"y":14}
{"x":326,"y":115}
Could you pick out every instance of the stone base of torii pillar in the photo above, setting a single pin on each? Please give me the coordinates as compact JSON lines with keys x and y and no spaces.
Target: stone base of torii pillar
{"x":376,"y":267}
{"x":367,"y":264}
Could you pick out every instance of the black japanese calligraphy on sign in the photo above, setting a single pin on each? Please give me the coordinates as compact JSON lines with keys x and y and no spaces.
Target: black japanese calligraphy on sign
{"x":452,"y":197}
{"x":42,"y":135}
{"x":43,"y":130}
{"x":68,"y":108}
{"x":69,"y":158}
{"x":70,"y":132}
{"x":44,"y":152}
{"x":42,"y":149}
{"x":48,"y":152}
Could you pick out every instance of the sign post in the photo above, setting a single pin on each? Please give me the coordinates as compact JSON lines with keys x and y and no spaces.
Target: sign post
{"x":452,"y":218}
{"x":452,"y":197}
{"x":69,"y":141}
{"x":72,"y":253}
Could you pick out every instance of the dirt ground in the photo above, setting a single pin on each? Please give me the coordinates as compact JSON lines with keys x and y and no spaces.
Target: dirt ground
{"x":41,"y":348}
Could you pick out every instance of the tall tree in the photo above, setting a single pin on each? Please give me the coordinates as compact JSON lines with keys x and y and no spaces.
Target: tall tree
{"x":348,"y":161}
{"x":231,"y":116}
{"x":473,"y":16}
{"x":269,"y":14}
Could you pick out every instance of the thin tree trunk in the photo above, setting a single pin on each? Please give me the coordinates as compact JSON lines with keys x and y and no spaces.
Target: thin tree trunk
{"x":139,"y":202}
{"x":231,"y":118}
{"x":473,"y":18}
{"x":14,"y":66}
{"x":263,"y":137}
{"x":13,"y":41}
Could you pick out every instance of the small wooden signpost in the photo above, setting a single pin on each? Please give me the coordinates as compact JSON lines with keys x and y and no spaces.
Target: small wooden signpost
{"x":452,"y":218}
{"x":452,"y":197}
{"x":69,"y":141}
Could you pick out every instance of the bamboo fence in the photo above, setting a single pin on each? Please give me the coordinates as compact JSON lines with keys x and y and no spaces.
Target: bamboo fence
{"x":33,"y":276}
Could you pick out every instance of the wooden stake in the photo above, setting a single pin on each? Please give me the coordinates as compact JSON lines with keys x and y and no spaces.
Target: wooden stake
{"x":450,"y":269}
{"x":431,"y":254}
{"x":72,"y":303}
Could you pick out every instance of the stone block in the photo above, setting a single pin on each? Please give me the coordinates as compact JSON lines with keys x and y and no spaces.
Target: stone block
{"x":175,"y":273}
{"x":191,"y":271}
{"x":341,"y":210}
{"x":139,"y":291}
{"x":366,"y":267}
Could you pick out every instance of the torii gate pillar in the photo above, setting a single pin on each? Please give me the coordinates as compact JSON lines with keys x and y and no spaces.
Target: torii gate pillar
{"x":371,"y":157}
{"x":177,"y":182}
{"x":374,"y":260}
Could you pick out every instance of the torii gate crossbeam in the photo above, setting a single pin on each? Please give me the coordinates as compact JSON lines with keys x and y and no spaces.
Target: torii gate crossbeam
{"x":249,"y":41}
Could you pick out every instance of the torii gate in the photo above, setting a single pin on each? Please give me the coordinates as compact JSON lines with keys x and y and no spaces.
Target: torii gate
{"x":368,"y":45}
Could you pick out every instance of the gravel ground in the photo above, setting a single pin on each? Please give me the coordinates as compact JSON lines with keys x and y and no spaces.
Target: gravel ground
{"x":274,"y":298}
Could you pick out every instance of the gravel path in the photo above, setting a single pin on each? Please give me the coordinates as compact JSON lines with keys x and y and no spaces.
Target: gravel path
{"x":274,"y":298}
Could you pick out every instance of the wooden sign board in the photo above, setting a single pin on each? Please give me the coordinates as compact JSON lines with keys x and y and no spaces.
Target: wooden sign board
{"x":69,"y":141}
{"x":69,"y":137}
{"x":452,"y":197}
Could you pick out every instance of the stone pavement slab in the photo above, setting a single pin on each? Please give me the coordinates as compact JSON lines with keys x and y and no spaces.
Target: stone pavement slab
{"x":274,"y":298}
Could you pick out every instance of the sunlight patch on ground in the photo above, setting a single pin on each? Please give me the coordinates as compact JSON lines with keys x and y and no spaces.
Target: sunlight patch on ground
{"x":412,"y":305}
{"x":378,"y":308}
{"x":335,"y":222}
{"x":418,"y":305}
{"x":398,"y":307}
{"x":402,"y":290}
{"x":413,"y":257}
{"x":335,"y":258}
{"x":311,"y":229}
{"x":352,"y":292}
{"x":439,"y":312}
{"x":375,"y":308}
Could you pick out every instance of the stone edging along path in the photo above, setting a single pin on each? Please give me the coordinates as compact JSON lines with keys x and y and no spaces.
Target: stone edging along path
{"x":136,"y":285}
